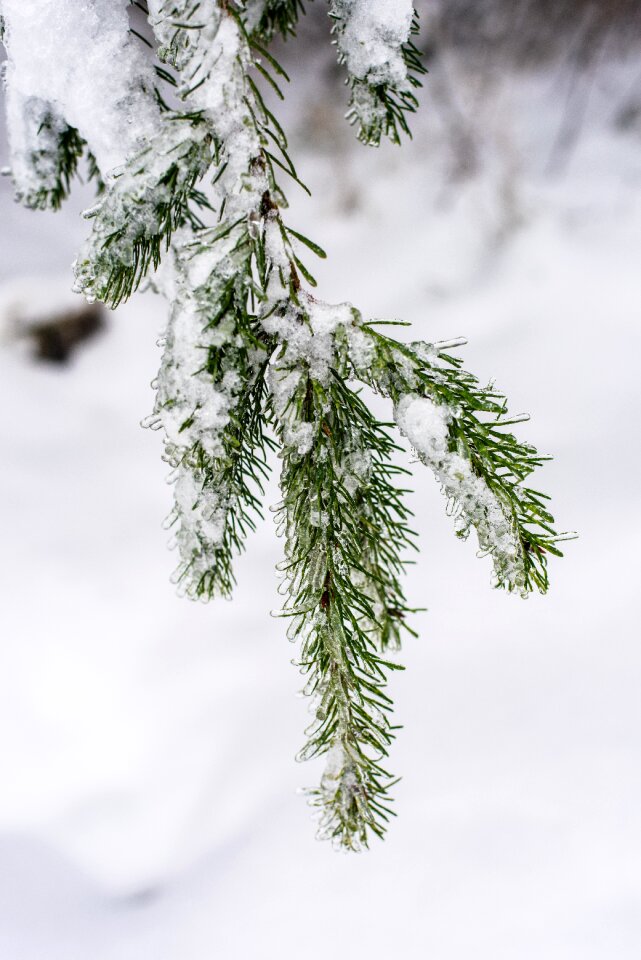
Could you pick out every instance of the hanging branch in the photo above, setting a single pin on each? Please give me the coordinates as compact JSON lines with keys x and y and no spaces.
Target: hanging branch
{"x":250,"y":355}
{"x":384,"y":67}
{"x":45,"y":153}
{"x":264,"y":18}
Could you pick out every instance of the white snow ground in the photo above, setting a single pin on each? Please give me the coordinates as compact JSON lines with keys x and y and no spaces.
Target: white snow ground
{"x":148,"y":807}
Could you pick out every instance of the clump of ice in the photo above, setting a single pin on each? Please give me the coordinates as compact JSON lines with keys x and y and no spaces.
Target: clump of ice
{"x":355,"y":470}
{"x":427,"y":427}
{"x":339,"y":781}
{"x":198,"y":538}
{"x":300,"y":436}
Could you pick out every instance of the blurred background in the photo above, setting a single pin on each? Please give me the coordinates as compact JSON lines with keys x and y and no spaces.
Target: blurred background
{"x":148,"y":805}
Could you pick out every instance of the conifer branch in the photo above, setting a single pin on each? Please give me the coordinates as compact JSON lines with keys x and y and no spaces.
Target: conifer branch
{"x":135,"y":219}
{"x":458,"y":429}
{"x":210,"y":403}
{"x":345,"y":527}
{"x":249,"y":350}
{"x":45,"y":152}
{"x":384,"y":66}
{"x":265,"y":18}
{"x":342,"y":512}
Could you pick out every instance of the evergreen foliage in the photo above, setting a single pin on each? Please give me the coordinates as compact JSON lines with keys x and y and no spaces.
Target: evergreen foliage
{"x":253,"y":362}
{"x":50,"y":148}
{"x":264,"y":18}
{"x":57,"y":161}
{"x":383,"y":84}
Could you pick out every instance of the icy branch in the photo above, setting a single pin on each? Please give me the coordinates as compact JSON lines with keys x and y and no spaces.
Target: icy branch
{"x":193,"y":175}
{"x":373,"y":40}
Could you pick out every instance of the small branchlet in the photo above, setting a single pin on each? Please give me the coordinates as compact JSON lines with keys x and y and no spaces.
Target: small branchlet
{"x":265,"y":18}
{"x":345,"y":527}
{"x":460,"y":430}
{"x":45,"y":155}
{"x":136,"y":218}
{"x":250,"y":354}
{"x":383,"y":83}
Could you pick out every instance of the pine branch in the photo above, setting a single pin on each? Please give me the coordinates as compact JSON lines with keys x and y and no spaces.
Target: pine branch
{"x":210,"y":404}
{"x":343,"y":514}
{"x":45,"y":152}
{"x":265,"y":18}
{"x":383,"y":65}
{"x":136,"y":218}
{"x":459,"y":430}
{"x":249,"y":350}
{"x":345,"y":526}
{"x":343,"y":595}
{"x":218,"y":498}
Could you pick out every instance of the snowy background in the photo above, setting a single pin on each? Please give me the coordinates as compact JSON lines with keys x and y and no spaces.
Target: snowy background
{"x":148,"y":806}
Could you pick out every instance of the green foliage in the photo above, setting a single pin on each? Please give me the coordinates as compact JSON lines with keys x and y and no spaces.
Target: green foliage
{"x":137,"y":218}
{"x":343,"y":513}
{"x":478,"y":431}
{"x":278,"y":16}
{"x":381,"y":109}
{"x":346,"y":527}
{"x":235,"y":478}
{"x":54,"y":162}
